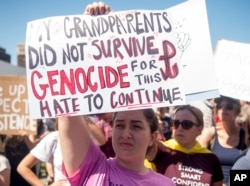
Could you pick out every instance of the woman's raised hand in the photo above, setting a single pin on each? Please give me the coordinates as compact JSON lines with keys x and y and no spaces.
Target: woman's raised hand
{"x":97,"y":8}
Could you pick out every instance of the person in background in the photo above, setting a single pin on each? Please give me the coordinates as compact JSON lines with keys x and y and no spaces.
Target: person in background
{"x":226,"y":139}
{"x":44,"y":151}
{"x":44,"y":127}
{"x":206,"y":107}
{"x":4,"y":166}
{"x":16,"y":148}
{"x":165,"y":116}
{"x":96,"y":132}
{"x":245,"y":107}
{"x":48,"y":150}
{"x":4,"y":171}
{"x":104,"y":121}
{"x":244,"y":118}
{"x":182,"y":158}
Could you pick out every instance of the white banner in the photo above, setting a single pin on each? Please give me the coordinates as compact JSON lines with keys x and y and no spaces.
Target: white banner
{"x":84,"y":64}
{"x":232,"y":60}
{"x":194,"y":47}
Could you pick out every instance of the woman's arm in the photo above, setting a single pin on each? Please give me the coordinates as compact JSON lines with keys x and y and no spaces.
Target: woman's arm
{"x":74,"y":140}
{"x":206,"y":136}
{"x":49,"y":170}
{"x":73,"y":131}
{"x":24,"y":169}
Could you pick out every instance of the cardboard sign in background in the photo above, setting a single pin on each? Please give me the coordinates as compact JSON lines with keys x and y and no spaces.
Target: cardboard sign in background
{"x":14,"y":106}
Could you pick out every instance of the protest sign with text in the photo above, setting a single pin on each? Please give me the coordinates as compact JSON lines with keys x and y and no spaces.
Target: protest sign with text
{"x":190,"y":21}
{"x":82,"y":64}
{"x":14,"y":107}
{"x":232,"y":61}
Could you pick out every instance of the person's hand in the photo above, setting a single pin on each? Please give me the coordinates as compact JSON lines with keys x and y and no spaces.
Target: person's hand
{"x":97,"y":8}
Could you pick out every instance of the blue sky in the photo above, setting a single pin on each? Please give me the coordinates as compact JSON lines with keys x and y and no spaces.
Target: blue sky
{"x":228,"y":19}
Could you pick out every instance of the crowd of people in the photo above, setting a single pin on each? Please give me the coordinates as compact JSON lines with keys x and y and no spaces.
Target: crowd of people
{"x":194,"y":144}
{"x":142,"y":144}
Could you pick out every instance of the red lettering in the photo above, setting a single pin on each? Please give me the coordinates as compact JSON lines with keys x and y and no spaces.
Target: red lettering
{"x":123,"y":84}
{"x":94,"y":86}
{"x":81,"y":75}
{"x":78,"y":80}
{"x":43,"y":87}
{"x":66,"y":82}
{"x":101,"y":77}
{"x":52,"y":81}
{"x":170,"y":71}
{"x":110,"y":71}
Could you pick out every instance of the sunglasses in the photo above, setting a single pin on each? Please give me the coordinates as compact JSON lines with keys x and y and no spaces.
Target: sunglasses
{"x":186,"y":124}
{"x":228,"y":106}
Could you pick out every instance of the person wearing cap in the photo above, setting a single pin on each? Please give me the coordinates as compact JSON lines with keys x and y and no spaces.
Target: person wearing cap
{"x":227,"y":139}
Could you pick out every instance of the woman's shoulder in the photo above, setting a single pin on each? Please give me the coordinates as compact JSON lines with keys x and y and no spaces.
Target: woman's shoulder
{"x":48,"y":142}
{"x":211,"y":129}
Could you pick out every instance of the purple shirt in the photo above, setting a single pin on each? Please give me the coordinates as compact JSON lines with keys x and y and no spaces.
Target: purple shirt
{"x":97,"y":170}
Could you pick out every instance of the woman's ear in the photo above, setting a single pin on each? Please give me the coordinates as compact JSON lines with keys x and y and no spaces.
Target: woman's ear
{"x":152,"y":151}
{"x":153,"y":138}
{"x":200,"y":128}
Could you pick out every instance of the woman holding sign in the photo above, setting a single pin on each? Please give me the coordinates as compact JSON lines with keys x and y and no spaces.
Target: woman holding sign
{"x":132,"y":136}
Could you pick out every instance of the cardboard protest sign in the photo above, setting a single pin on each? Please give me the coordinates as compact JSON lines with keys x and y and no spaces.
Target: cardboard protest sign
{"x":232,"y":62}
{"x":14,"y":106}
{"x":84,"y":64}
{"x":194,"y":47}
